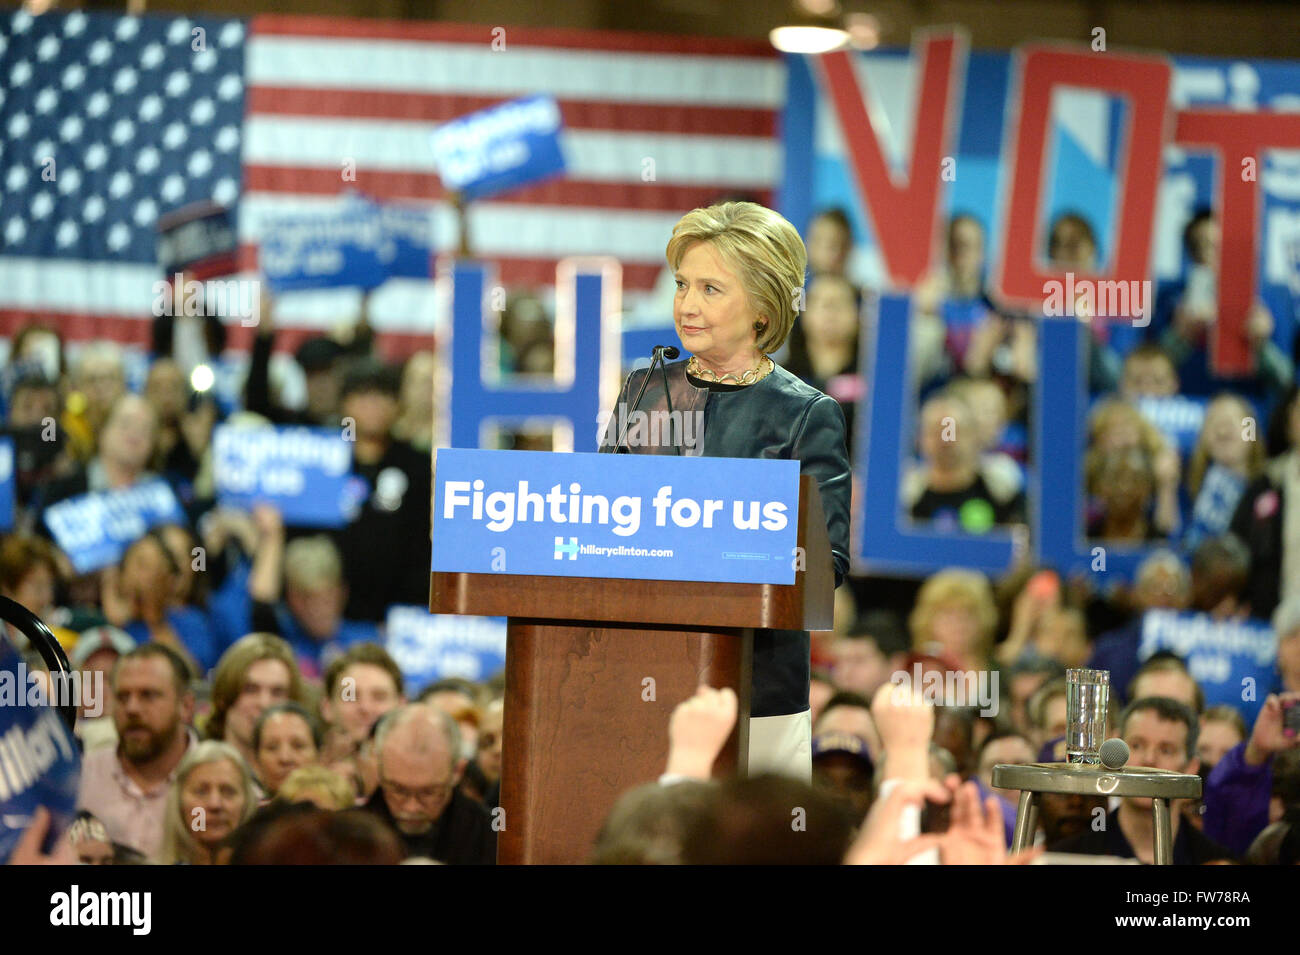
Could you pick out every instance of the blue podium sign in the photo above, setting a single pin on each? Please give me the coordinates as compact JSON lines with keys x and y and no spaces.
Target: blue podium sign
{"x":95,"y":529}
{"x":305,"y":472}
{"x":646,"y":517}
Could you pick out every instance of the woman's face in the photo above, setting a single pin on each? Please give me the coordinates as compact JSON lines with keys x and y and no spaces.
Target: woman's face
{"x":1121,"y":432}
{"x":128,"y":434}
{"x":1223,"y":427}
{"x":165,"y":389}
{"x":832,"y":314}
{"x":828,"y":246}
{"x":949,"y":437}
{"x":966,"y":247}
{"x":711,"y":310}
{"x":36,"y":590}
{"x":212,"y":801}
{"x":285,"y":744}
{"x":146,"y":570}
{"x":417,"y":384}
{"x":1125,"y":483}
{"x":954,"y":628}
{"x":182,"y":547}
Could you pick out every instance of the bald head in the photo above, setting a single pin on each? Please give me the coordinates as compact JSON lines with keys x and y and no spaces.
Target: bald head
{"x":417,"y":747}
{"x":418,"y":731}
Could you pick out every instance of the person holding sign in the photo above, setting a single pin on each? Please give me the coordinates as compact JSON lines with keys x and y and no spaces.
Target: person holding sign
{"x":739,"y":273}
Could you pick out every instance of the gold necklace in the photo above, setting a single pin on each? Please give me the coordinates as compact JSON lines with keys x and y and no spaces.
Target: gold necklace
{"x":749,"y":377}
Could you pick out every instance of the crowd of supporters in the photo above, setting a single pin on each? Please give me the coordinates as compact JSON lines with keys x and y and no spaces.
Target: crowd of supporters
{"x":251,"y":712}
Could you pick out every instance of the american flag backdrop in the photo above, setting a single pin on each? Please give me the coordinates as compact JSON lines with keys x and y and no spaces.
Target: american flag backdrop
{"x":274,"y":110}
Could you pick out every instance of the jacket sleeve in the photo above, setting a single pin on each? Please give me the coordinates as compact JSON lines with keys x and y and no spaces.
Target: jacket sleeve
{"x":822,"y":451}
{"x":1236,"y":800}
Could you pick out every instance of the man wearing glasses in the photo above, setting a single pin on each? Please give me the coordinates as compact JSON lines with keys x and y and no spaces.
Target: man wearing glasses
{"x":418,"y":794}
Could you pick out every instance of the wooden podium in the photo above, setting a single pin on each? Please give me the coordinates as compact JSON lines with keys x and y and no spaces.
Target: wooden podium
{"x":595,"y":666}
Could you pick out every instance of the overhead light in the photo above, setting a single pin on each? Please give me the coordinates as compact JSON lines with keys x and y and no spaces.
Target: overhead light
{"x":863,"y":29}
{"x":808,"y":39}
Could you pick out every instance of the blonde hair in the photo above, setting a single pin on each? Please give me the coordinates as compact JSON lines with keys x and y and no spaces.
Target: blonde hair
{"x":314,"y":778}
{"x":312,"y":562}
{"x":179,"y":844}
{"x":1199,"y":462}
{"x":968,"y":588}
{"x":762,"y":248}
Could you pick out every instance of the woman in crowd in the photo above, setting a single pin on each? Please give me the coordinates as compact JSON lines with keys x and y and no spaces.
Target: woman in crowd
{"x":1117,"y":426}
{"x":285,"y":738}
{"x":209,"y":799}
{"x":414,"y":423}
{"x":29,"y":575}
{"x":143,"y":597}
{"x":823,"y":347}
{"x":125,"y":452}
{"x":1229,"y":454}
{"x":739,"y":271}
{"x":954,"y":619}
{"x":1267,"y":520}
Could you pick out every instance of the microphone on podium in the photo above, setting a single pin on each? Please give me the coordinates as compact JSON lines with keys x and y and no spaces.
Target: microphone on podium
{"x":661,"y":352}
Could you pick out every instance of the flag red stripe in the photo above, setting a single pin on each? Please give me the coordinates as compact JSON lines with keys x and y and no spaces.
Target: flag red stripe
{"x":387,"y":186}
{"x":574,"y":39}
{"x":523,"y":271}
{"x":84,"y":327}
{"x":577,"y":114}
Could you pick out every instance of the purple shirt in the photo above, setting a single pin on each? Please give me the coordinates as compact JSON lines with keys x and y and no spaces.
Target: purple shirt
{"x":1236,"y":800}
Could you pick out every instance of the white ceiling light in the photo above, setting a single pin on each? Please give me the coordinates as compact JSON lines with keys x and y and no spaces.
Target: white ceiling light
{"x":808,"y":39}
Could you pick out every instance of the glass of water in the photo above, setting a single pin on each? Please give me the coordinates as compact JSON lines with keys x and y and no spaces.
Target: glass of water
{"x":1087,"y":696}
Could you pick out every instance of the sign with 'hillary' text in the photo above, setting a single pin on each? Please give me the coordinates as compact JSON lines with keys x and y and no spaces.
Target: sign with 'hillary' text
{"x":646,"y":517}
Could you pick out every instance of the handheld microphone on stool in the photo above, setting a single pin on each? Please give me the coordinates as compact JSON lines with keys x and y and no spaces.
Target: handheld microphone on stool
{"x":1114,"y":753}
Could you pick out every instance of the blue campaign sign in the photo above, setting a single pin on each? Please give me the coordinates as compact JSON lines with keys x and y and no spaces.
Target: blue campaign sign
{"x":646,"y":517}
{"x":94,"y":529}
{"x":358,"y":243}
{"x":1178,"y":418}
{"x":407,"y":249}
{"x":337,"y":248}
{"x":429,"y":647}
{"x":1234,"y":661}
{"x":6,"y":484}
{"x":305,"y":472}
{"x":499,"y":148}
{"x":39,"y":759}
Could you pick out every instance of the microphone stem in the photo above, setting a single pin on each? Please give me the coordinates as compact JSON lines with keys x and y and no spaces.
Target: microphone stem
{"x":655,"y":359}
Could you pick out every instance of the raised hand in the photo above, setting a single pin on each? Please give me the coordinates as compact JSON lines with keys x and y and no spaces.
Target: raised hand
{"x":698,"y":729}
